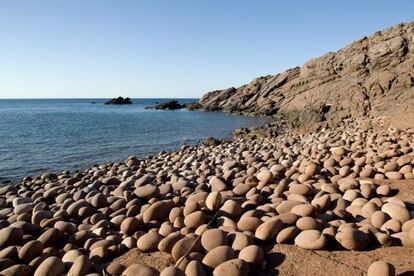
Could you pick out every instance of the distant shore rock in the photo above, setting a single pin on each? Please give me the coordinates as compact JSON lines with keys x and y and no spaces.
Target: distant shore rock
{"x":174,"y":105}
{"x":120,"y":100}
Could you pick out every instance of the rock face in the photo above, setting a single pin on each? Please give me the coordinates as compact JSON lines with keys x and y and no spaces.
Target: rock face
{"x":371,"y":76}
{"x":119,"y":100}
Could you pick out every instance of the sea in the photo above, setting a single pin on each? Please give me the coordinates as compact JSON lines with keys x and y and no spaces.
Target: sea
{"x":53,"y":135}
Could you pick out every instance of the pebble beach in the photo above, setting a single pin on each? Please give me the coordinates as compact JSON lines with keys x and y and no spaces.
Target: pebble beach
{"x":214,"y":208}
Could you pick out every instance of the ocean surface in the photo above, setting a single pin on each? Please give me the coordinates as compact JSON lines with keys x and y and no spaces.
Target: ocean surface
{"x":53,"y":135}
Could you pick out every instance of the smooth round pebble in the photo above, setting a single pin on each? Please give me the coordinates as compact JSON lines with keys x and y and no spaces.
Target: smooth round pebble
{"x":311,"y":239}
{"x":380,"y":268}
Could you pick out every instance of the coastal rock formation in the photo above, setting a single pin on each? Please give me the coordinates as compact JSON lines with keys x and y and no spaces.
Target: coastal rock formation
{"x":193,"y":106}
{"x":119,"y":100}
{"x":371,"y":76}
{"x":174,"y":105}
{"x":170,"y":105}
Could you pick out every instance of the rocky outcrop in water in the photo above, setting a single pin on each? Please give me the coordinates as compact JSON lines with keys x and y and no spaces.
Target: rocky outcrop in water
{"x":170,"y":105}
{"x":174,"y":105}
{"x":119,"y":100}
{"x":371,"y":76}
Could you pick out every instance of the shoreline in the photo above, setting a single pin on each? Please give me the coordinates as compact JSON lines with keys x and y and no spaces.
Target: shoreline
{"x":197,"y":142}
{"x":59,"y":151}
{"x":230,"y":199}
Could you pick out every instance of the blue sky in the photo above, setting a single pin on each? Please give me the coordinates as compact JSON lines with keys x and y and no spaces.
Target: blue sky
{"x":88,"y":49}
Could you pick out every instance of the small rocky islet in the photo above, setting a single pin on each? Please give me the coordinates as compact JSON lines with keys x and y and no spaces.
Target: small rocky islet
{"x":118,"y":101}
{"x":215,"y":206}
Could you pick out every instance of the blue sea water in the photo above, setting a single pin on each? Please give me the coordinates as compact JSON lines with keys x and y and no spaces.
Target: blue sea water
{"x":52,"y":135}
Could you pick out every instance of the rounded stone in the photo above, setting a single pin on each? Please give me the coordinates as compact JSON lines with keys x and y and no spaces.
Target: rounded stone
{"x":182,"y":246}
{"x":10,"y":236}
{"x":195,"y":219}
{"x":30,"y":250}
{"x":311,"y":239}
{"x":217,"y":184}
{"x":231,"y":208}
{"x":9,"y":252}
{"x":41,"y":215}
{"x":213,"y":201}
{"x":288,"y":218}
{"x":299,"y":189}
{"x":71,"y":256}
{"x":287,"y":234}
{"x":81,"y":266}
{"x":287,"y":205}
{"x":391,"y":226}
{"x":218,"y":256}
{"x":352,"y":239}
{"x":99,"y":201}
{"x":383,"y":190}
{"x":235,"y":267}
{"x":369,"y":209}
{"x":265,"y":176}
{"x":403,"y":238}
{"x":49,"y":237}
{"x":172,"y":271}
{"x":249,"y":224}
{"x":239,"y":240}
{"x":407,"y":226}
{"x":158,"y":211}
{"x":97,"y":254}
{"x":304,"y":210}
{"x":52,"y":266}
{"x":167,"y":243}
{"x":115,"y":269}
{"x":378,"y":218}
{"x":146,"y":191}
{"x":394,"y":175}
{"x":396,"y":211}
{"x":380,"y":268}
{"x":253,"y":255}
{"x":17,"y":270}
{"x":195,"y":268}
{"x":149,"y":242}
{"x":130,"y":225}
{"x":308,"y":223}
{"x":269,"y":229}
{"x":213,"y":238}
{"x":65,"y":227}
{"x":411,"y":234}
{"x":311,"y":169}
{"x":140,"y":270}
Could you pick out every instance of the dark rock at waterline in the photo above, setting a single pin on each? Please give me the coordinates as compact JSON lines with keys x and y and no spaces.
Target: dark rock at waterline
{"x":170,"y":105}
{"x":210,"y":141}
{"x":193,"y":106}
{"x":272,"y":129}
{"x":120,"y":100}
{"x":174,"y":105}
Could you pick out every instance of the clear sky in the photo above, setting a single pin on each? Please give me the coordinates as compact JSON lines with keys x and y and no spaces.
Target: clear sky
{"x":88,"y":49}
